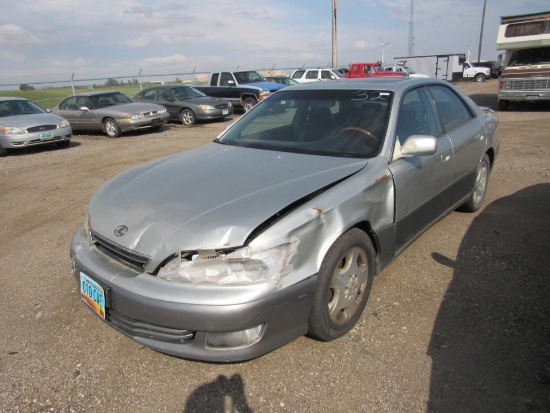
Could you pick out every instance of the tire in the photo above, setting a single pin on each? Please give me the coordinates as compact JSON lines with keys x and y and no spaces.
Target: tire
{"x":503,"y":105}
{"x":477,"y":196}
{"x":187,"y":117}
{"x":3,"y":152}
{"x":480,"y":77}
{"x":111,"y":128}
{"x":249,"y":103}
{"x":343,"y":286}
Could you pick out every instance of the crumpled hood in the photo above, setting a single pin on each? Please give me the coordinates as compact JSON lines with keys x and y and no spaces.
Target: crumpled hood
{"x":31,"y":120}
{"x":213,"y":196}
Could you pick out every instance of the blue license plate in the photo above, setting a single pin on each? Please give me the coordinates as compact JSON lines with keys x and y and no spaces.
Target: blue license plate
{"x":46,"y":136}
{"x":92,"y":294}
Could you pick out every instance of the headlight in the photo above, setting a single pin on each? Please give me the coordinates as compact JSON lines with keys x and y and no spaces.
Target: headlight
{"x":65,"y":124}
{"x":245,"y":266}
{"x":12,"y":130}
{"x":205,"y":107}
{"x":134,"y":116}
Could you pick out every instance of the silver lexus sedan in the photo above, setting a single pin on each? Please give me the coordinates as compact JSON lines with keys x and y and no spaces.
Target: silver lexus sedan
{"x":276,"y":228}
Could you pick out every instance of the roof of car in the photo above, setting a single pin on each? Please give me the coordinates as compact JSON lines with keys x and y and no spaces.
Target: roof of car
{"x":4,"y":98}
{"x":104,"y":92}
{"x":381,"y":83}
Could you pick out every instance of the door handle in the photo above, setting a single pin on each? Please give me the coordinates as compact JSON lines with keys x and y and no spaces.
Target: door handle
{"x":445,"y":158}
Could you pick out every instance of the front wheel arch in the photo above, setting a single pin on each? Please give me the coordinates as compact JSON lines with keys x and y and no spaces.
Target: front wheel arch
{"x":343,"y":286}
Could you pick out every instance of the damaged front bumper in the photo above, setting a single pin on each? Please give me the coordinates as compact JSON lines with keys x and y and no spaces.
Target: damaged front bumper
{"x":210,"y":323}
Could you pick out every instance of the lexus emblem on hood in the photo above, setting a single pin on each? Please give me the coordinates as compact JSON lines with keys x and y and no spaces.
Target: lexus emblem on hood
{"x":121,"y":230}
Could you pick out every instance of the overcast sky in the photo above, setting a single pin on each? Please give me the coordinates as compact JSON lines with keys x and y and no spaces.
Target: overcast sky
{"x":51,"y":39}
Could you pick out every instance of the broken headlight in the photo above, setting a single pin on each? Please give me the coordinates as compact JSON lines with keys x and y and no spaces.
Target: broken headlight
{"x":247,"y":265}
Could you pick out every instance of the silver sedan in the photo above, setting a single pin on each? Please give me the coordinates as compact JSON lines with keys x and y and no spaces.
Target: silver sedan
{"x":277,"y":227}
{"x":24,"y":124}
{"x":110,"y":112}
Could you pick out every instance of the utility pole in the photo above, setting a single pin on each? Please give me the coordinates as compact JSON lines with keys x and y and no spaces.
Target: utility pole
{"x":411,"y":30}
{"x":334,"y":64}
{"x":481,"y":33}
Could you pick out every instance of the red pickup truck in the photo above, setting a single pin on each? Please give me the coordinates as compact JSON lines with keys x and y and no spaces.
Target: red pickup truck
{"x":370,"y":70}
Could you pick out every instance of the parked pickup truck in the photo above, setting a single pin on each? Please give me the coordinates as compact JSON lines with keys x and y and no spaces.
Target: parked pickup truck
{"x":243,"y":89}
{"x":370,"y":70}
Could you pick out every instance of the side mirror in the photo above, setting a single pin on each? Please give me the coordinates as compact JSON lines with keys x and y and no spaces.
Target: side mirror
{"x":419,"y":145}
{"x":231,"y":82}
{"x":84,"y":108}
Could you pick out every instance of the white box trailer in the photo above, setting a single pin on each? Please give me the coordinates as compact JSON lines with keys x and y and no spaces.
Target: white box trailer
{"x":451,"y":67}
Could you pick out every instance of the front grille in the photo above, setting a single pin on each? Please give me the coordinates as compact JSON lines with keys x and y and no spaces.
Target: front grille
{"x":222,"y":106}
{"x":527,"y":84}
{"x":137,"y":328}
{"x":126,"y":256}
{"x":41,"y":128}
{"x":152,"y":113}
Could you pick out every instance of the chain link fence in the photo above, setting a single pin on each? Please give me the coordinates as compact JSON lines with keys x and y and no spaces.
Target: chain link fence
{"x":48,"y":93}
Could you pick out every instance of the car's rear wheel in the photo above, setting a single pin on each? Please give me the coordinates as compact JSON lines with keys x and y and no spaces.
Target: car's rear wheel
{"x":343,"y":286}
{"x":249,"y":103}
{"x":480,"y":77}
{"x":477,"y":196}
{"x":111,"y":128}
{"x":187,"y":117}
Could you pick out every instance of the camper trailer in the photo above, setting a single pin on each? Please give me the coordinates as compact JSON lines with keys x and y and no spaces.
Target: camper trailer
{"x":525,"y":40}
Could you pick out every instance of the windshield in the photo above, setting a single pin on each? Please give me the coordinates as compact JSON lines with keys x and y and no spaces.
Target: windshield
{"x":19,"y":107}
{"x":186,"y":92}
{"x":408,"y":70}
{"x":349,"y":123}
{"x":110,"y":99}
{"x":537,"y":56}
{"x":248,"y":77}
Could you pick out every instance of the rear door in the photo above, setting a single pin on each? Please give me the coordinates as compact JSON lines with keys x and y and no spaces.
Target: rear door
{"x":467,"y":137}
{"x":422,"y":183}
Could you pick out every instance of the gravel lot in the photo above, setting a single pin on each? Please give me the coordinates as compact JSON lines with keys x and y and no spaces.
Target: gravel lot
{"x":458,"y":323}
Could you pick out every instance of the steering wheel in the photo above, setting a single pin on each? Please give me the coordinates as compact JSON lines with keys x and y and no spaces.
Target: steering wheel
{"x":363,"y":131}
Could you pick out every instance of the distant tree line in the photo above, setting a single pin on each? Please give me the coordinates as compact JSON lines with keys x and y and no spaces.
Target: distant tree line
{"x":109,"y":83}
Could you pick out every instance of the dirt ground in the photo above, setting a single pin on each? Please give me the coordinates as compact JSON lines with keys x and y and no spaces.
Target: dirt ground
{"x":458,"y":323}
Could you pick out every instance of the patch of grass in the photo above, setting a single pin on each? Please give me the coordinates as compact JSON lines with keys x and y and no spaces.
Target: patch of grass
{"x":48,"y":98}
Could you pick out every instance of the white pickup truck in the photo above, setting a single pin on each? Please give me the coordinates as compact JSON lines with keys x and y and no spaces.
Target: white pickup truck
{"x":478,"y":73}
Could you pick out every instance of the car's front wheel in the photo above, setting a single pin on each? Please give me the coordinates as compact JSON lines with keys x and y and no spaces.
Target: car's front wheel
{"x":477,"y":196}
{"x":249,"y":103}
{"x":187,"y":117}
{"x":480,"y":77}
{"x":343,"y":286}
{"x":3,"y":151}
{"x":111,"y":128}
